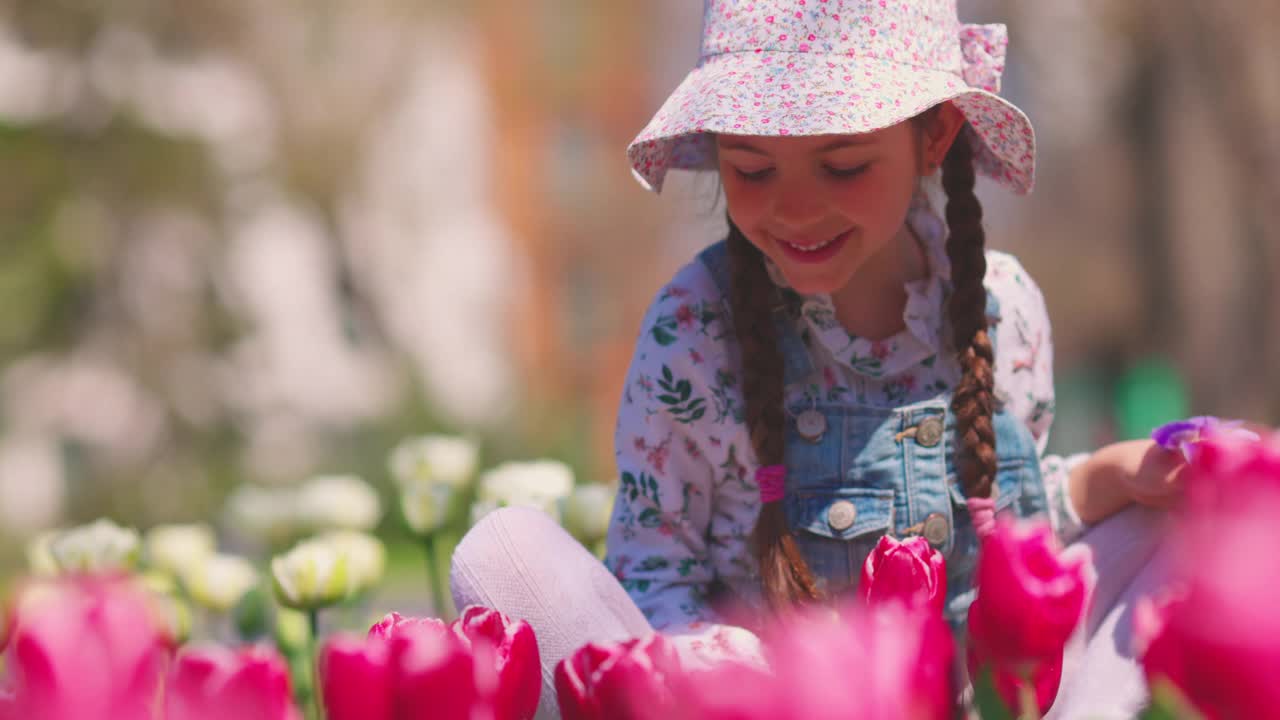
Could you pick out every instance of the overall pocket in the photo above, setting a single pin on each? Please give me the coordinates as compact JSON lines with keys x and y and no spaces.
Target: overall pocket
{"x":837,"y":527}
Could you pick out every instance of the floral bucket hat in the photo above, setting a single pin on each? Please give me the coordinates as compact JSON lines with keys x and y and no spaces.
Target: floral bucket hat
{"x":836,"y":67}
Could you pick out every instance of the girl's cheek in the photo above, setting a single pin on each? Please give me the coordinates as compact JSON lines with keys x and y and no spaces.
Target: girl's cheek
{"x":745,"y":203}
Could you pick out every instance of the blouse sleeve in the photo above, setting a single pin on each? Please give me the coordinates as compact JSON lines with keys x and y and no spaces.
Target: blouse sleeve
{"x":666,"y":445}
{"x":1024,"y":379}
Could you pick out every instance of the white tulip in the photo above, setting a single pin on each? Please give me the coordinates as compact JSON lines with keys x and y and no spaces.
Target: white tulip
{"x":39,"y":555}
{"x":310,"y":576}
{"x":176,"y":548}
{"x":219,"y":581}
{"x":98,"y":546}
{"x":588,"y":510}
{"x":339,"y":502}
{"x":366,"y":556}
{"x":173,"y":613}
{"x":267,"y":514}
{"x":426,"y":507}
{"x":434,"y":460}
{"x":176,"y":616}
{"x":543,"y":484}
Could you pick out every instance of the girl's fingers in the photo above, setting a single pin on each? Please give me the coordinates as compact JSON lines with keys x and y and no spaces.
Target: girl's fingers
{"x":1159,"y":479}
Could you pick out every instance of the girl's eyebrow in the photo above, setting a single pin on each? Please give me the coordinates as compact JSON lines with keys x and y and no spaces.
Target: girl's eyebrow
{"x":836,"y":145}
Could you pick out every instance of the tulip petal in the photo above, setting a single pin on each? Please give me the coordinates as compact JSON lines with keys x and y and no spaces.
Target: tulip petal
{"x":214,"y":683}
{"x":1030,"y":597}
{"x":623,"y":681}
{"x":437,"y":678}
{"x":357,"y":681}
{"x":910,"y":571}
{"x":83,"y":647}
{"x":515,"y":653}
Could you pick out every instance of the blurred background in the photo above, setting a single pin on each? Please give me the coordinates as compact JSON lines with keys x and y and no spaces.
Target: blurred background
{"x":246,"y":241}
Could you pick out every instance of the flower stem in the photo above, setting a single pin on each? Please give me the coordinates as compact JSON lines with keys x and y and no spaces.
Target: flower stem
{"x":313,"y":615}
{"x":1030,"y":709}
{"x":433,"y":575}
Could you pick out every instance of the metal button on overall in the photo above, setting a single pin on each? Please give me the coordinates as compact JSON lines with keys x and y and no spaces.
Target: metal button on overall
{"x":841,"y":514}
{"x":929,"y":432}
{"x":936,"y":529}
{"x":811,"y":425}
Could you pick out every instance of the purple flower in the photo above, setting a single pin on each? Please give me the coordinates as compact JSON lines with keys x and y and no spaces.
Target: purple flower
{"x":1182,"y":435}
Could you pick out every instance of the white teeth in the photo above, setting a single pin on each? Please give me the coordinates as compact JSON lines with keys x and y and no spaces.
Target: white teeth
{"x":811,"y":248}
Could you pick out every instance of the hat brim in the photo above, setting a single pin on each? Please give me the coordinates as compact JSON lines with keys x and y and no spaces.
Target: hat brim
{"x":782,"y":94}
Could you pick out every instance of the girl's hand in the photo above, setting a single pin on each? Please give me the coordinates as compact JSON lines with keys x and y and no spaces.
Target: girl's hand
{"x":1153,"y":475}
{"x":1133,"y":471}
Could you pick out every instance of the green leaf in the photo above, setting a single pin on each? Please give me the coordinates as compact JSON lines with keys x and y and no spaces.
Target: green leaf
{"x":666,"y":374}
{"x":652,"y":563}
{"x":670,"y":399}
{"x":685,"y":389}
{"x":697,"y":414}
{"x":1169,"y":703}
{"x":663,"y":336}
{"x":650,"y":518}
{"x":987,"y":700}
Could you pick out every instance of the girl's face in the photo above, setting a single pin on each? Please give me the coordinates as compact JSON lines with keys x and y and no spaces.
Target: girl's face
{"x":824,"y":207}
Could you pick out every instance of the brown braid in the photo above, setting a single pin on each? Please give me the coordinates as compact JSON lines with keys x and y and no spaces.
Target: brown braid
{"x":973,"y":401}
{"x":785,"y":576}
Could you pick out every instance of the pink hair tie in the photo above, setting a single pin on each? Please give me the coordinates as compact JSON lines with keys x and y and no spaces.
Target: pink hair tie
{"x":772,"y":480}
{"x":982,"y":511}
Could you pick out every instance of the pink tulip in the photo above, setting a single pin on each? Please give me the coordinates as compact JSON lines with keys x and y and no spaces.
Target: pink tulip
{"x":1042,"y":676}
{"x":626,"y":681}
{"x":1227,"y":472}
{"x":730,"y":691}
{"x":482,"y":666}
{"x":357,"y":678}
{"x":1030,"y":599}
{"x":393,"y":623}
{"x":1163,"y":654}
{"x":416,"y":674}
{"x":1227,"y":675}
{"x":85,"y":648}
{"x":437,"y":680}
{"x":216,"y":683}
{"x":911,"y":571}
{"x":515,"y":656}
{"x":1219,"y":640}
{"x":901,"y":656}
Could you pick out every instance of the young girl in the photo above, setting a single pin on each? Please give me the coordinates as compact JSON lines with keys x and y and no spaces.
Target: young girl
{"x":845,"y":364}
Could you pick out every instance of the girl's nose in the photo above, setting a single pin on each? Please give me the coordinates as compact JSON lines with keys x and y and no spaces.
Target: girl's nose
{"x":798,"y":206}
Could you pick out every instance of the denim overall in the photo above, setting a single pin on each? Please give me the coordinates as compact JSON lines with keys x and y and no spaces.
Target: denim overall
{"x":873,"y":471}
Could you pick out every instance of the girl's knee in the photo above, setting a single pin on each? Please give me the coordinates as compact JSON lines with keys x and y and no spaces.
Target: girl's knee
{"x":510,"y":528}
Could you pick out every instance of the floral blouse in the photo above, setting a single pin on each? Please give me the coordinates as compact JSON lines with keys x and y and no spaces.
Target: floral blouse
{"x":687,"y":501}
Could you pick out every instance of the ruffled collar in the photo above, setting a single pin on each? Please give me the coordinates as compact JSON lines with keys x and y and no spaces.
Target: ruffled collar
{"x":921,"y":339}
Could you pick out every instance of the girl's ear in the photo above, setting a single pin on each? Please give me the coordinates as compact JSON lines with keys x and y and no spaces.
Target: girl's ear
{"x":938,"y":131}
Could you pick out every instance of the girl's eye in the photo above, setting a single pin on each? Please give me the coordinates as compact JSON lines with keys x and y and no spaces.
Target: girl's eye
{"x":755,"y":176}
{"x":848,"y":172}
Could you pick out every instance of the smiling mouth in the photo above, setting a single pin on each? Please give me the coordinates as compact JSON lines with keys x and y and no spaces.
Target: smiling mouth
{"x":810,"y":248}
{"x":813,"y":252}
